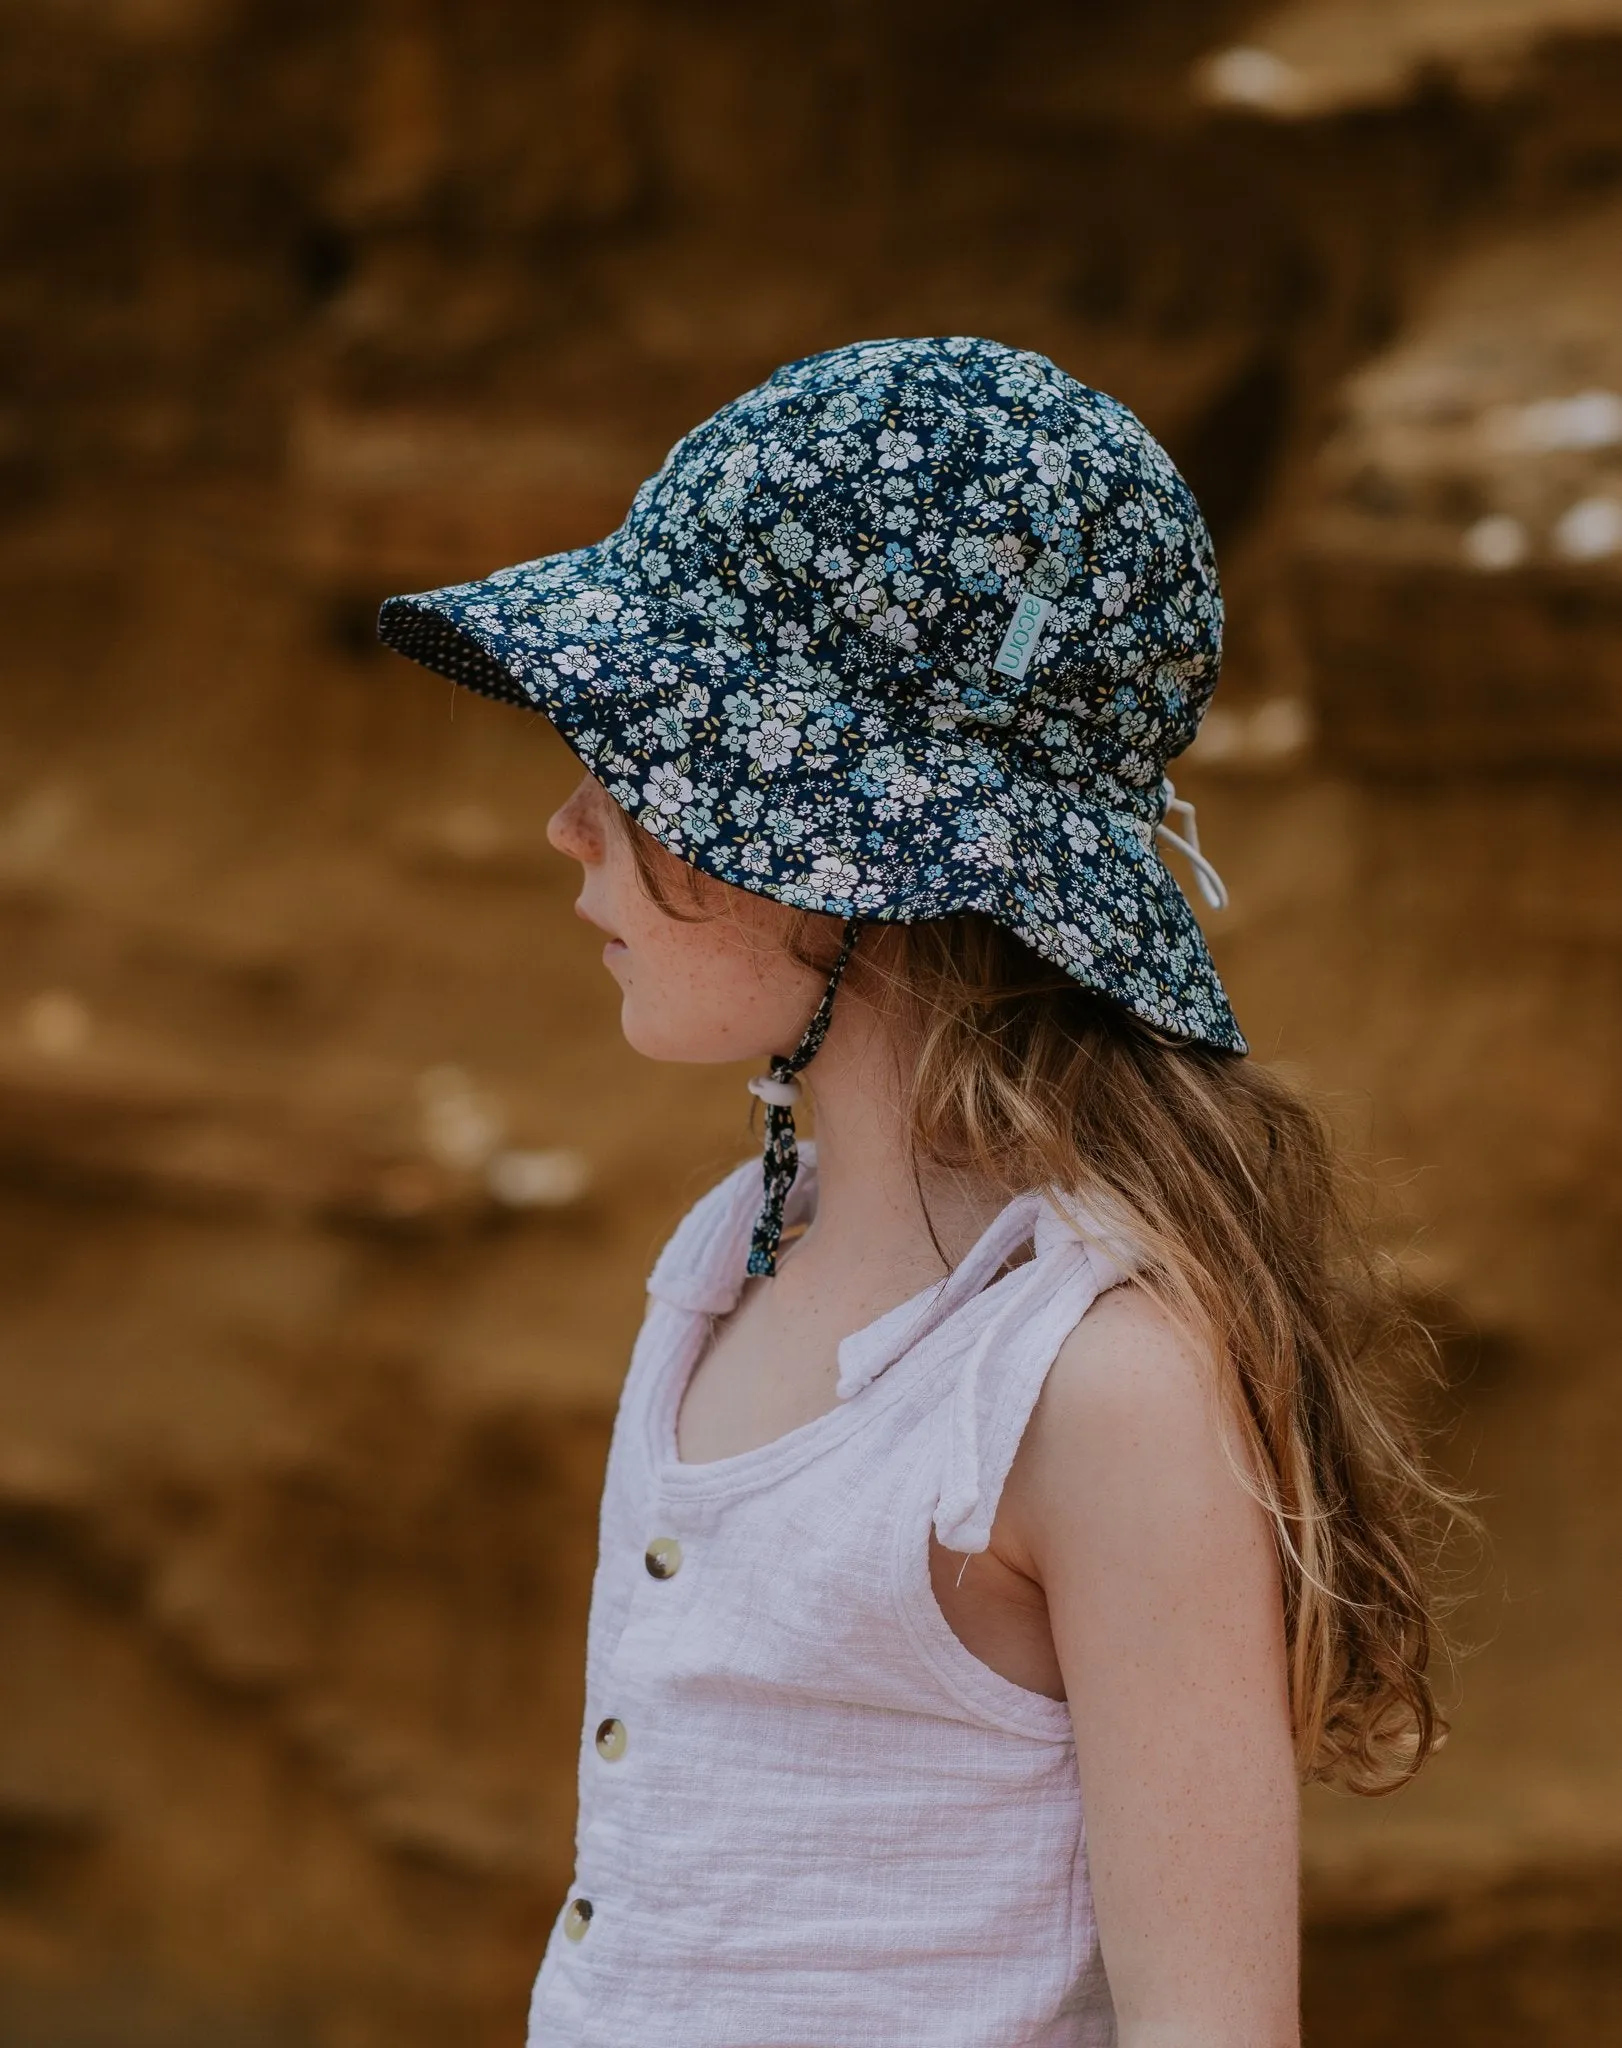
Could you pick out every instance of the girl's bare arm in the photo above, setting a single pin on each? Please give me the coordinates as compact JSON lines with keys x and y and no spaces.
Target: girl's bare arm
{"x":1163,"y":1594}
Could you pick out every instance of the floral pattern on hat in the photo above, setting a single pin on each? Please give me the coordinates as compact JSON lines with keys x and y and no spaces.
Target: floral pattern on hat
{"x":784,"y":664}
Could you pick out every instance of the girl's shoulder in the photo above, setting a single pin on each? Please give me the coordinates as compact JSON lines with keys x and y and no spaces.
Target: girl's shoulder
{"x":1130,"y":1362}
{"x":696,"y":1267}
{"x":1129,"y":1422}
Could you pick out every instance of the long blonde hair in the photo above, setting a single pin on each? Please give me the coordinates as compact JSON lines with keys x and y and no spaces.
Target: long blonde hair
{"x":1227,"y":1182}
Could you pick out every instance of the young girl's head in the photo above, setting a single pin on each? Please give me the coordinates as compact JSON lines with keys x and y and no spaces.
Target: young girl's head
{"x":884,"y":668}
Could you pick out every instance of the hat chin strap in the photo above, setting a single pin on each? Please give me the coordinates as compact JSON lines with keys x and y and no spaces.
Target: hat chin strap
{"x":1211,"y":885}
{"x":780,"y":1091}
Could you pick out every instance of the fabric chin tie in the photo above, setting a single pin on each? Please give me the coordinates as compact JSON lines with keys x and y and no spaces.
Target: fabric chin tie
{"x":779,"y":1091}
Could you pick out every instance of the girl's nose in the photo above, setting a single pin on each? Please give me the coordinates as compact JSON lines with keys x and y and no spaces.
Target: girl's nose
{"x":575,"y":827}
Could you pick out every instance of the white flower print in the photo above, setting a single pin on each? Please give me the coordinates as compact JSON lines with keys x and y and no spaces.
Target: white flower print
{"x":1076,"y":946}
{"x":723,"y":506}
{"x":576,"y":661}
{"x":792,"y":543}
{"x":781,"y":692}
{"x":667,"y":790}
{"x":1081,"y":834}
{"x":1113,"y":589}
{"x":772,"y":744}
{"x":699,"y":824}
{"x":740,"y":709}
{"x":897,"y":449}
{"x":1050,"y":459}
{"x":795,"y":670}
{"x":894,"y":627}
{"x":833,"y":876}
{"x":861,"y":597}
{"x":739,"y":464}
{"x":1005,"y":554}
{"x":793,"y":636}
{"x":970,"y":555}
{"x":997,"y":834}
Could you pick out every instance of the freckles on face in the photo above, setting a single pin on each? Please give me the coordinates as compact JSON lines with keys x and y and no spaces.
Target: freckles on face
{"x":711,"y":981}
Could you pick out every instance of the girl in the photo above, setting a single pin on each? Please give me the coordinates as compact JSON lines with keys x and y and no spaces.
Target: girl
{"x":1002,"y":1511}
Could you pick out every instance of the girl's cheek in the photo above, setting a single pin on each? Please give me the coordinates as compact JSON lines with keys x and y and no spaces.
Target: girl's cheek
{"x":675,"y":992}
{"x":690,"y":992}
{"x":619,"y":899}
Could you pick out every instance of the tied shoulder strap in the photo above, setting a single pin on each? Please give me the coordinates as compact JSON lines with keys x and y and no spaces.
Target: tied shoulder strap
{"x":1027,"y":1316}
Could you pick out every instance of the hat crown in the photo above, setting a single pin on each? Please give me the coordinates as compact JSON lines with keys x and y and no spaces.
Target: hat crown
{"x":910,"y":630}
{"x":879,"y":511}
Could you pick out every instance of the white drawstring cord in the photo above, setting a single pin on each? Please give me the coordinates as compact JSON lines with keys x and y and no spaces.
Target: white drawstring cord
{"x":1211,"y":885}
{"x":781,"y":1094}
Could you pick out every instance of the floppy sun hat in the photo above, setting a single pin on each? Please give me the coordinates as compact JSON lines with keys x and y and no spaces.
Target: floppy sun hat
{"x":910,"y":629}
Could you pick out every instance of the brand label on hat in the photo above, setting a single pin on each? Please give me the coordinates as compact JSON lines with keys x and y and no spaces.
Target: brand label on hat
{"x":1019,"y":642}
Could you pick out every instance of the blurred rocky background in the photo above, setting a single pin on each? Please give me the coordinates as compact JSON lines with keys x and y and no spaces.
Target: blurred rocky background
{"x":326,"y":1187}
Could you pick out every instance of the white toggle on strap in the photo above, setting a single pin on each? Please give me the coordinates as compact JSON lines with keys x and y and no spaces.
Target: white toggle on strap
{"x":781,"y":1094}
{"x":1211,"y":885}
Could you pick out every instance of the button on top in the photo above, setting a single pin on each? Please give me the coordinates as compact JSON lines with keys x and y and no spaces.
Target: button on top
{"x":663,"y":1558}
{"x":577,"y":1919}
{"x":611,"y":1740}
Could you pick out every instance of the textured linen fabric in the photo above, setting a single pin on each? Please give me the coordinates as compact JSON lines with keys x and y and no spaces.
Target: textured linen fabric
{"x":830,"y":1825}
{"x":914,"y":627}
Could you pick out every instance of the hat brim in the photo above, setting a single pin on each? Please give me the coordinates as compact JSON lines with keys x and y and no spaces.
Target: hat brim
{"x":612,"y":666}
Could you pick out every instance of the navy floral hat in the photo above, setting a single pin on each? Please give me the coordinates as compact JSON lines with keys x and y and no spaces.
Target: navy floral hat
{"x":912,"y":628}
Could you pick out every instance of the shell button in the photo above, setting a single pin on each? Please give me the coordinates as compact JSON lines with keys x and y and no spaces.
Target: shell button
{"x":611,"y":1740}
{"x":663,"y":1558}
{"x":577,"y":1919}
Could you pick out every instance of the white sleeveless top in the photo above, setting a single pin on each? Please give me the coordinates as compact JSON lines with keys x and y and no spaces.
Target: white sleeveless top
{"x":809,"y":1817}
